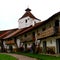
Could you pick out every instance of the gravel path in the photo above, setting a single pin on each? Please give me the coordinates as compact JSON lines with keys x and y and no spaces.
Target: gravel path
{"x":21,"y":57}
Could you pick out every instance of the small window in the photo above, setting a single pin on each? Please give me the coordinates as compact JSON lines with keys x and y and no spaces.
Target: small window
{"x":44,"y":29}
{"x":49,"y":26}
{"x":26,"y":21}
{"x":28,"y":18}
{"x":38,"y":32}
{"x":25,"y":35}
{"x":57,"y":23}
{"x":50,"y":41}
{"x":33,"y":33}
{"x":34,"y":22}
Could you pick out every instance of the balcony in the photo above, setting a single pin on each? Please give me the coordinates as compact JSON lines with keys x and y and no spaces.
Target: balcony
{"x":46,"y":33}
{"x":10,"y":42}
{"x":57,"y":30}
{"x":28,"y":38}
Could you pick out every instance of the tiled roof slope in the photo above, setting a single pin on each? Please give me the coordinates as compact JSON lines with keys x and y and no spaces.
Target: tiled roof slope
{"x":6,"y":32}
{"x":41,"y":23}
{"x":16,"y":32}
{"x":12,"y":34}
{"x":28,"y":13}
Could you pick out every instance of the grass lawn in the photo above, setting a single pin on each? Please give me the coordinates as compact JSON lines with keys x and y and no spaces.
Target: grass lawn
{"x":40,"y":56}
{"x":6,"y":57}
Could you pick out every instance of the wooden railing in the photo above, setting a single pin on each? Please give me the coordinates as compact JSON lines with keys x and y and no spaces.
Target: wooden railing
{"x":47,"y":32}
{"x":28,"y":38}
{"x":59,"y":29}
{"x":10,"y":42}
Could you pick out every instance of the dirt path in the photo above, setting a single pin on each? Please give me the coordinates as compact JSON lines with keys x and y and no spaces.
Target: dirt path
{"x":21,"y":57}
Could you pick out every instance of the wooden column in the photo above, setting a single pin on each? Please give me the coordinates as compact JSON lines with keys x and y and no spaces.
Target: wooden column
{"x":15,"y":40}
{"x":25,"y":46}
{"x":2,"y":46}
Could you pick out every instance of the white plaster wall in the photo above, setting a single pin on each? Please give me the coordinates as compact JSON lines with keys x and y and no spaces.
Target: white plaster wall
{"x":30,"y":21}
{"x":22,"y":23}
{"x":41,"y":44}
{"x":13,"y":46}
{"x":51,"y":42}
{"x":48,"y":42}
{"x":18,"y":43}
{"x":7,"y":47}
{"x":29,"y":45}
{"x":37,"y":20}
{"x":4,"y":44}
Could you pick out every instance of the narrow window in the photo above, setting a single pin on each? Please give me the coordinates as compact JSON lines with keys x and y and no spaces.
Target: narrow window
{"x":51,"y":41}
{"x":33,"y":33}
{"x":44,"y":29}
{"x":25,"y":35}
{"x":57,"y":23}
{"x":26,"y":21}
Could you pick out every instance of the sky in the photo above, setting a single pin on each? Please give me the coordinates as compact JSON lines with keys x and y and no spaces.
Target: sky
{"x":12,"y":10}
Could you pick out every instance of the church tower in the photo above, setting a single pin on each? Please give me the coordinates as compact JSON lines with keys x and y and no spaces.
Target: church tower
{"x":27,"y":19}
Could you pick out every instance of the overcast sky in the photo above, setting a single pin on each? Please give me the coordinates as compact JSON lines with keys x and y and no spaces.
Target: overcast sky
{"x":12,"y":10}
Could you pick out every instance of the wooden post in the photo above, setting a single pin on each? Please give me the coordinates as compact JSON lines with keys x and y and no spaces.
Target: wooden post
{"x":2,"y":46}
{"x":16,"y":44}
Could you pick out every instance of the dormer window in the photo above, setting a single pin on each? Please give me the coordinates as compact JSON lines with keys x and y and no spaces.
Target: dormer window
{"x":26,"y":21}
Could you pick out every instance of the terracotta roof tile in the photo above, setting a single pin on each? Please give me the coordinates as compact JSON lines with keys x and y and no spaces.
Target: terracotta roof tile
{"x":11,"y":34}
{"x":6,"y":32}
{"x":14,"y":33}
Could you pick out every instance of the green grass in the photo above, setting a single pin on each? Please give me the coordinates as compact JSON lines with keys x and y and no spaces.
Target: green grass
{"x":40,"y":56}
{"x":6,"y":57}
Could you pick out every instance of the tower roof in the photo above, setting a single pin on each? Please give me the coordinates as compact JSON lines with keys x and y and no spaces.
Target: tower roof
{"x":28,"y":13}
{"x":28,"y":9}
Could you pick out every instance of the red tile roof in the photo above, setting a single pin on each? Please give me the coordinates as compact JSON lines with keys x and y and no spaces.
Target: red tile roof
{"x":14,"y":33}
{"x":6,"y":32}
{"x":29,"y":28}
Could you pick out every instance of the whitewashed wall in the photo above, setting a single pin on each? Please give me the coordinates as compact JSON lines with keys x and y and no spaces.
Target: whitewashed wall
{"x":4,"y":44}
{"x":22,"y":23}
{"x":50,"y":42}
{"x":18,"y":43}
{"x":30,"y":21}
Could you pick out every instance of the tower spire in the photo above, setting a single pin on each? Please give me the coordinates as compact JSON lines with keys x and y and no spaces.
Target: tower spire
{"x":28,"y":9}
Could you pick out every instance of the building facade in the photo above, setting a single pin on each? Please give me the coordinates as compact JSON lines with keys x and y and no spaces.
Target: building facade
{"x":43,"y":35}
